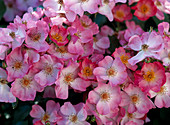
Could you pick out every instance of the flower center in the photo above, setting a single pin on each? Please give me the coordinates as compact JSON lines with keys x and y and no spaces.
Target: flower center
{"x":73,"y":118}
{"x":106,"y":1}
{"x":119,"y":14}
{"x":10,"y":5}
{"x":130,"y":115}
{"x":35,"y":36}
{"x":84,"y":24}
{"x":17,"y":65}
{"x":158,"y":3}
{"x":87,"y":71}
{"x":95,"y":39}
{"x":57,"y":37}
{"x":60,"y":2}
{"x":49,"y":69}
{"x":144,"y":47}
{"x":124,"y":59}
{"x":144,"y":8}
{"x":149,"y":76}
{"x":169,"y":55}
{"x":105,"y":96}
{"x":135,"y":98}
{"x":12,"y":34}
{"x":163,"y":90}
{"x":25,"y":82}
{"x":61,"y":49}
{"x":3,"y":81}
{"x":45,"y":117}
{"x":68,"y":78}
{"x":111,"y":72}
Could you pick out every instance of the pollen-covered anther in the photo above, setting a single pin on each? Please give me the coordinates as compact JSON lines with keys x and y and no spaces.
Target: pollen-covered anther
{"x":61,"y":49}
{"x":57,"y":37}
{"x":25,"y":82}
{"x":35,"y":37}
{"x":106,"y":1}
{"x":144,"y":8}
{"x":68,"y":78}
{"x":105,"y":96}
{"x":124,"y":59}
{"x":87,"y":71}
{"x":120,"y":14}
{"x":144,"y":47}
{"x":111,"y":72}
{"x":48,"y":69}
{"x":17,"y":65}
{"x":149,"y":76}
{"x":12,"y":34}
{"x":73,"y":118}
{"x":3,"y":81}
{"x":45,"y":117}
{"x":130,"y":115}
{"x":135,"y":98}
{"x":163,"y":90}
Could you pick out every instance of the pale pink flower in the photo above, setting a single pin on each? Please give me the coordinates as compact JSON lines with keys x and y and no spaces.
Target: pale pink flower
{"x":162,"y":98}
{"x":25,"y":88}
{"x":50,"y":115}
{"x":136,"y":100}
{"x":85,"y":23}
{"x":112,"y":70}
{"x":105,"y":97}
{"x":79,"y":7}
{"x":48,"y":70}
{"x":11,"y":10}
{"x":134,"y":118}
{"x":148,"y":45}
{"x":60,"y":52}
{"x":5,"y":94}
{"x":36,"y":36}
{"x":73,"y":114}
{"x":24,"y":4}
{"x":16,"y":67}
{"x":106,"y":7}
{"x":132,"y":29}
{"x":69,"y":77}
{"x":151,"y":77}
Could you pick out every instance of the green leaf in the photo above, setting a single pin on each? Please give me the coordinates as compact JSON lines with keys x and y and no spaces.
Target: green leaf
{"x":21,"y":113}
{"x":100,"y":19}
{"x":3,"y":8}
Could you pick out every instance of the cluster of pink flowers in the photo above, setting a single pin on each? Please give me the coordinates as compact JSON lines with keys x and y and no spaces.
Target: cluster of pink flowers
{"x":55,"y":50}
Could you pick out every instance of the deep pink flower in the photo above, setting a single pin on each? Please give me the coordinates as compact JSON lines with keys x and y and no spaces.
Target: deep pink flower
{"x":122,"y":12}
{"x":145,"y":9}
{"x":86,"y":69}
{"x":151,"y":77}
{"x":58,"y":34}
